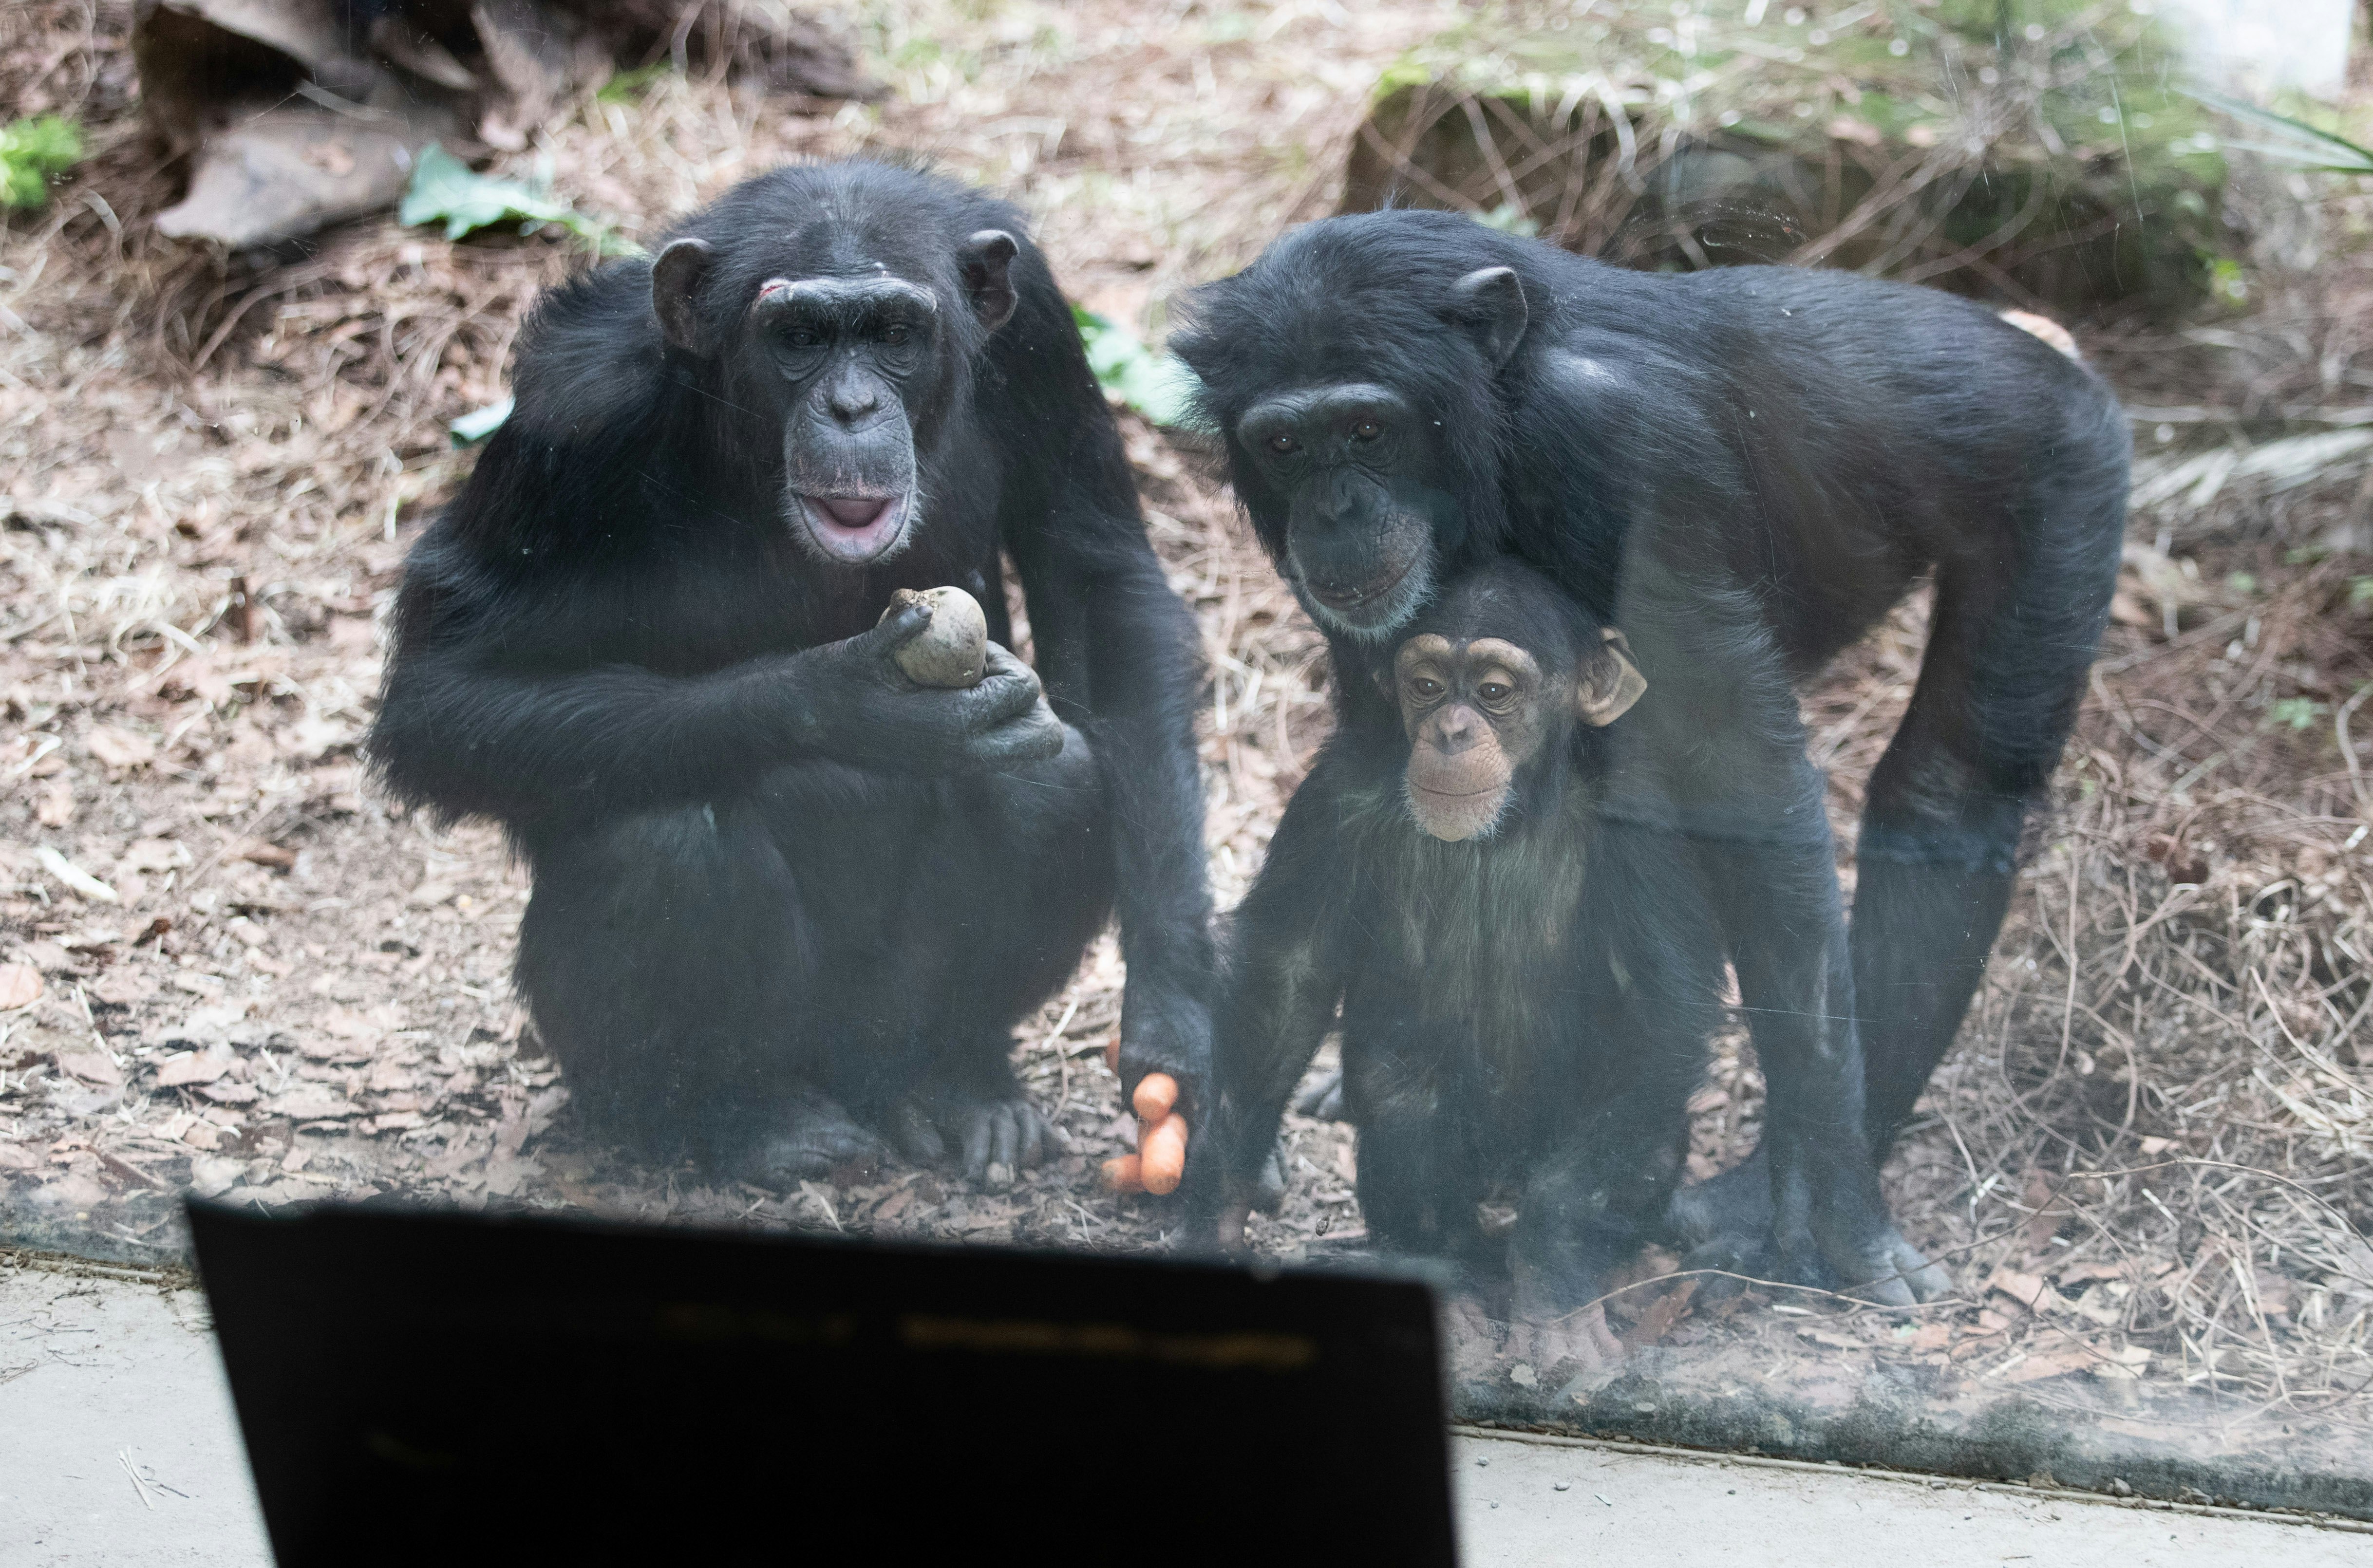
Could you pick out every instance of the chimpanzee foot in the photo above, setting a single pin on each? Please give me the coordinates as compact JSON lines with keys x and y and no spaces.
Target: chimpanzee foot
{"x":1735,"y":1203}
{"x":1473,"y":1340}
{"x":994,"y":1139}
{"x":811,"y":1137}
{"x":1884,"y":1268}
{"x":1323,"y":1099}
{"x":1565,"y":1345}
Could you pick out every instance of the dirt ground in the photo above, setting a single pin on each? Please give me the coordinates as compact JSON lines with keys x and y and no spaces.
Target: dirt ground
{"x":258,"y":979}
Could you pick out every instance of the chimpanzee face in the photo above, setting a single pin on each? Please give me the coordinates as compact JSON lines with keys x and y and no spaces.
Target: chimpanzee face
{"x":848,"y":367}
{"x":1485,"y":717}
{"x":1364,"y":427}
{"x":1353,"y":462}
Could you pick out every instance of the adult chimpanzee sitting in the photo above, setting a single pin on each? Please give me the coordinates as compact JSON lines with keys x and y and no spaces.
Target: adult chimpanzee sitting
{"x":786,"y":900}
{"x":1743,"y":469}
{"x":1528,"y":986}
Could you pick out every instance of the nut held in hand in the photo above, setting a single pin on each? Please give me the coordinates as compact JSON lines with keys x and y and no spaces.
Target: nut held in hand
{"x":953,"y":650}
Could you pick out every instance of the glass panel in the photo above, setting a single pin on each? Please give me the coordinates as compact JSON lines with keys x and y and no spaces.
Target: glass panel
{"x":455,"y":754}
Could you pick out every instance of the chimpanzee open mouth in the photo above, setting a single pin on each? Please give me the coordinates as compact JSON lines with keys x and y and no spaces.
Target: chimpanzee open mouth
{"x":855,"y":528}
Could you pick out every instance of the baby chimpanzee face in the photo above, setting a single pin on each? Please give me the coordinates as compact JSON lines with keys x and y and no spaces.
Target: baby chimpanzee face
{"x":1491,"y":689}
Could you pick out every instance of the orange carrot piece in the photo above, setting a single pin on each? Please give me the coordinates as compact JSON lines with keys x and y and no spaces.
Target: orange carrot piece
{"x":1123,"y":1174}
{"x":1157,"y":1093}
{"x":1112,"y":1053}
{"x":1162,"y":1153}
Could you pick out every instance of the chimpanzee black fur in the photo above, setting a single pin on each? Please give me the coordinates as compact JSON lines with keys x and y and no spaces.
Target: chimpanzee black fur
{"x":786,"y":900}
{"x":1745,"y":470}
{"x":1524,"y":1009}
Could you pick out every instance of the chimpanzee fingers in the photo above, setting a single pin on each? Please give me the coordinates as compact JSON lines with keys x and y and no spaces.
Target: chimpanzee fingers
{"x":901,"y":625}
{"x":978,"y":1136}
{"x":1032,"y":1152}
{"x":1928,"y":1282}
{"x":1009,"y":682}
{"x":1035,"y":736}
{"x":917,"y":1138}
{"x":1268,"y":1192}
{"x":1323,"y":1099}
{"x":1730,"y":1261}
{"x":1005,"y":1137}
{"x":1873,"y":1275}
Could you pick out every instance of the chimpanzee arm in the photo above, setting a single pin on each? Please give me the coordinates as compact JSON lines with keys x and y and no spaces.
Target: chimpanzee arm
{"x":472,"y":723}
{"x":1119,"y":651}
{"x":1290,"y":948}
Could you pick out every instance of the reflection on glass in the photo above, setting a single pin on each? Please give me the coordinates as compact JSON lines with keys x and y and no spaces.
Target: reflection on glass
{"x":1803,"y":570}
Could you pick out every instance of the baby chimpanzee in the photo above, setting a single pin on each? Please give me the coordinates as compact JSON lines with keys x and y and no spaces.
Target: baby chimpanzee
{"x":1527,"y":990}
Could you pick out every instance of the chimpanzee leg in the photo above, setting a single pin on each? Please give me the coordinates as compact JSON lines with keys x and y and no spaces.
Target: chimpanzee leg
{"x":675,"y":963}
{"x":726,"y":978}
{"x":1421,"y":1169}
{"x":1999,"y":687}
{"x":1011,"y":887}
{"x":1587,"y":1208}
{"x":2004,"y":672}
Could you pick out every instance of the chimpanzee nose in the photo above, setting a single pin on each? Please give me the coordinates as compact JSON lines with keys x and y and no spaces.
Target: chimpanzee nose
{"x":1337,"y":500}
{"x":1454,"y":732}
{"x":851,"y":404}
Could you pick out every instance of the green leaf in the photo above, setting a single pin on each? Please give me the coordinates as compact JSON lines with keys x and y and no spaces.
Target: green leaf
{"x":626,"y":87}
{"x":31,"y":151}
{"x":480,"y":423}
{"x":1158,"y":386}
{"x":445,"y":190}
{"x":2302,"y":144}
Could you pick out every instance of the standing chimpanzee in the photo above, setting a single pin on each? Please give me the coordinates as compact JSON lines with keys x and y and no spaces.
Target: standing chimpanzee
{"x":1745,"y":470}
{"x":1528,"y":986}
{"x":786,"y":898}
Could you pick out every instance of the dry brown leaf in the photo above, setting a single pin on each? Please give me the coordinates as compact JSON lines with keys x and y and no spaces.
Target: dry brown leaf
{"x":122,"y":748}
{"x":154,"y":854}
{"x":262,"y":852}
{"x":92,"y":1067}
{"x":75,"y":1192}
{"x":232,"y":1094}
{"x":197,"y":1067}
{"x":1829,"y":1336}
{"x":21,"y":986}
{"x":313,"y":1102}
{"x":2029,"y":1291}
{"x":2057,"y":1363}
{"x":16,"y":1156}
{"x":56,"y":806}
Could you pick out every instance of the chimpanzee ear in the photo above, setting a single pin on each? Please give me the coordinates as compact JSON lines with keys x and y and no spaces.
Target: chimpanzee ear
{"x":676,"y":276}
{"x":985,"y":260}
{"x":1608,"y":684}
{"x":1489,"y":302}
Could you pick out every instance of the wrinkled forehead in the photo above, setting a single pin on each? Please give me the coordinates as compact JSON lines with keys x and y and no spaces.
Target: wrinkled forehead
{"x":1477,"y":654}
{"x":838,"y":250}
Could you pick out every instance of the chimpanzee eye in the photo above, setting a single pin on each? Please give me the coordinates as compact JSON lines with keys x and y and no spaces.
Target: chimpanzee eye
{"x":1366,"y":430}
{"x":895,"y":334}
{"x":1426,"y":688}
{"x":1495,"y":691}
{"x":1282,"y":444}
{"x":802,"y":337}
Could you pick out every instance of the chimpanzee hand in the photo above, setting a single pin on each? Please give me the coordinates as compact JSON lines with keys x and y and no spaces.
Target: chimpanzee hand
{"x":857,"y":706}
